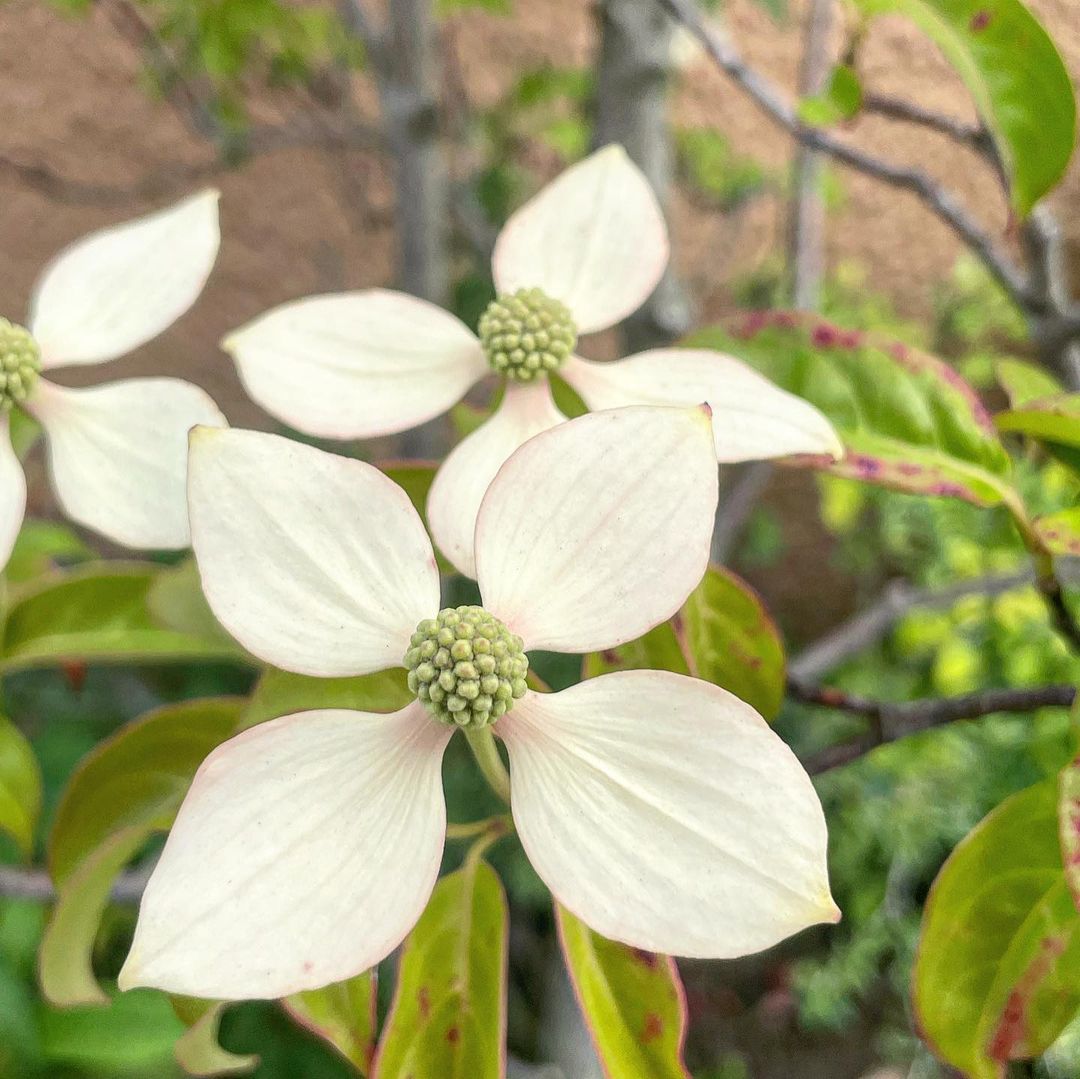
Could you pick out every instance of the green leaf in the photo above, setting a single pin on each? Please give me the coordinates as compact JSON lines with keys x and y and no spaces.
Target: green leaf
{"x":280,"y":693}
{"x":1069,"y":826}
{"x":198,"y":1050}
{"x":1060,"y":532}
{"x":1025,"y":382}
{"x":20,"y":787}
{"x":734,"y":642}
{"x":840,"y":100}
{"x":343,"y":1015}
{"x":138,"y":777}
{"x":41,"y":547}
{"x":176,"y":602}
{"x":1016,"y":76}
{"x":96,"y":613}
{"x":658,"y":650}
{"x":1053,"y":421}
{"x":449,"y":1013}
{"x":129,"y":788}
{"x":995,"y":978}
{"x":633,"y":1003}
{"x":907,"y":420}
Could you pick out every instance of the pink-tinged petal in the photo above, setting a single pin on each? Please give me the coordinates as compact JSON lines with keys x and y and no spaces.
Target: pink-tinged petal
{"x":304,"y":852}
{"x":357,"y":364}
{"x":665,"y":813}
{"x":12,"y":493}
{"x":315,"y":563}
{"x":120,"y":287}
{"x":594,"y":238}
{"x":597,"y":530}
{"x":753,"y":419}
{"x":462,"y":481}
{"x":118,"y":455}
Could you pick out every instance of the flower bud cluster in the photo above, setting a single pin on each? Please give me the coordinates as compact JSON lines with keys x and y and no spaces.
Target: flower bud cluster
{"x":466,"y":667}
{"x":527,"y":334}
{"x":20,"y":365}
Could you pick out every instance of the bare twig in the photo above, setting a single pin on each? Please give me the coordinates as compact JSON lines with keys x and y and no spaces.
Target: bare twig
{"x":973,"y":135}
{"x":740,"y":490}
{"x":869,"y":626}
{"x":36,"y":885}
{"x":891,"y":721}
{"x":943,"y":204}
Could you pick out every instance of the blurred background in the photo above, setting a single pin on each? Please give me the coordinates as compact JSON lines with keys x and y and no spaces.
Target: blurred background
{"x":387,"y":150}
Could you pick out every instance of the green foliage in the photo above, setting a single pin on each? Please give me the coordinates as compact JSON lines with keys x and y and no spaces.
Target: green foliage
{"x":711,"y":167}
{"x":840,"y":100}
{"x":342,"y":1014}
{"x":449,"y":1012}
{"x":198,"y":1050}
{"x":20,"y":788}
{"x":994,"y":979}
{"x":1016,"y":76}
{"x":632,"y":1001}
{"x":907,"y":420}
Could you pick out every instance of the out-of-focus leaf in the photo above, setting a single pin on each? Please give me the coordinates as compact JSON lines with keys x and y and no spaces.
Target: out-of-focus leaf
{"x":1016,"y":76}
{"x":96,"y":613}
{"x":1069,"y":826}
{"x":633,"y":1003}
{"x":449,"y":1013}
{"x":129,"y":788}
{"x":25,"y":431}
{"x":995,"y":979}
{"x":1024,"y":382}
{"x":734,"y":642}
{"x":658,"y":650}
{"x":20,"y":787}
{"x":279,"y":693}
{"x":343,"y":1015}
{"x":176,"y":601}
{"x":840,"y":100}
{"x":134,"y":1034}
{"x":1060,"y":532}
{"x":42,"y":546}
{"x":907,"y":420}
{"x":198,"y":1050}
{"x":1053,"y":421}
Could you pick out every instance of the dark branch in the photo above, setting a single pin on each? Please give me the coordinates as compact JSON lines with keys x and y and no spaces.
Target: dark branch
{"x":36,"y":885}
{"x":772,"y":102}
{"x":891,"y":721}
{"x":973,"y":135}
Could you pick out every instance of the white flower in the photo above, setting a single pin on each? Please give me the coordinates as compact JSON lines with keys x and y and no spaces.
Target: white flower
{"x":370,"y":363}
{"x":117,"y":452}
{"x":660,"y":809}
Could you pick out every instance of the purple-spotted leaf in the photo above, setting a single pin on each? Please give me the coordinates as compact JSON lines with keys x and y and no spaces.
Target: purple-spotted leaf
{"x":632,"y":1001}
{"x":995,"y":977}
{"x":733,"y":642}
{"x":1069,"y":826}
{"x":658,"y":650}
{"x":20,"y":788}
{"x":198,"y":1050}
{"x":449,"y":1013}
{"x":125,"y":791}
{"x":1060,"y":532}
{"x":907,"y":420}
{"x":342,"y":1014}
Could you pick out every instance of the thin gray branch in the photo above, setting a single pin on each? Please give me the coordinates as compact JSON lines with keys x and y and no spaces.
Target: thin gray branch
{"x":873,"y":624}
{"x":740,"y":490}
{"x":941,"y":202}
{"x":973,"y":135}
{"x":36,"y":885}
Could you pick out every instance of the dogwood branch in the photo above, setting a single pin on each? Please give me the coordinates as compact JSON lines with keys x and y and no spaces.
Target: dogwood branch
{"x":17,"y":882}
{"x":890,"y":721}
{"x":772,"y":102}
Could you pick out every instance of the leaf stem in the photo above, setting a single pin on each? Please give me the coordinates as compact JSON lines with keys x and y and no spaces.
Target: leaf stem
{"x":482,"y":744}
{"x":499,"y":824}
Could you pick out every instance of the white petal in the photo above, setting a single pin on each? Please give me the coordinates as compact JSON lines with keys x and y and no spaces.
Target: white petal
{"x":597,"y":530}
{"x":304,"y":852}
{"x":463,"y":480}
{"x":665,"y":813}
{"x":118,"y":455}
{"x":753,"y":419}
{"x":594,"y":238}
{"x":358,"y":364}
{"x":315,"y":563}
{"x":12,"y":493}
{"x":120,"y":287}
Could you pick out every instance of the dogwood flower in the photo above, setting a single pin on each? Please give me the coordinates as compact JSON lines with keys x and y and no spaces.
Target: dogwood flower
{"x":582,"y":255}
{"x":117,"y":452}
{"x":658,"y":808}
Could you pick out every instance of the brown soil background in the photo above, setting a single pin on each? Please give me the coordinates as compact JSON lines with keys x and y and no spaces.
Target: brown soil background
{"x":299,"y":221}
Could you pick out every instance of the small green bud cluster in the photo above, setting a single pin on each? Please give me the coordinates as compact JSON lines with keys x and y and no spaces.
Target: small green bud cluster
{"x":527,"y":334}
{"x":466,"y":667}
{"x":20,"y":365}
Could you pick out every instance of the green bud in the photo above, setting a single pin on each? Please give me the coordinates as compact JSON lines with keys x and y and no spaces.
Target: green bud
{"x":466,"y":667}
{"x":20,"y":365}
{"x":527,"y":334}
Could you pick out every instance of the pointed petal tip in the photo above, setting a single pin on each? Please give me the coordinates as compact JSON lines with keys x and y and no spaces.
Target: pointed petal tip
{"x":202,"y":432}
{"x":834,"y":912}
{"x":128,"y":978}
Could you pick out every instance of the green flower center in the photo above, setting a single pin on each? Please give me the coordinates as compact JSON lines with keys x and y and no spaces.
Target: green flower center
{"x":20,"y":365}
{"x":466,"y":667}
{"x":527,"y":334}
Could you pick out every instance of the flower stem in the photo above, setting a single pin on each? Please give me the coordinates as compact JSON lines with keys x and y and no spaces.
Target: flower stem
{"x":482,"y":744}
{"x":468,"y":830}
